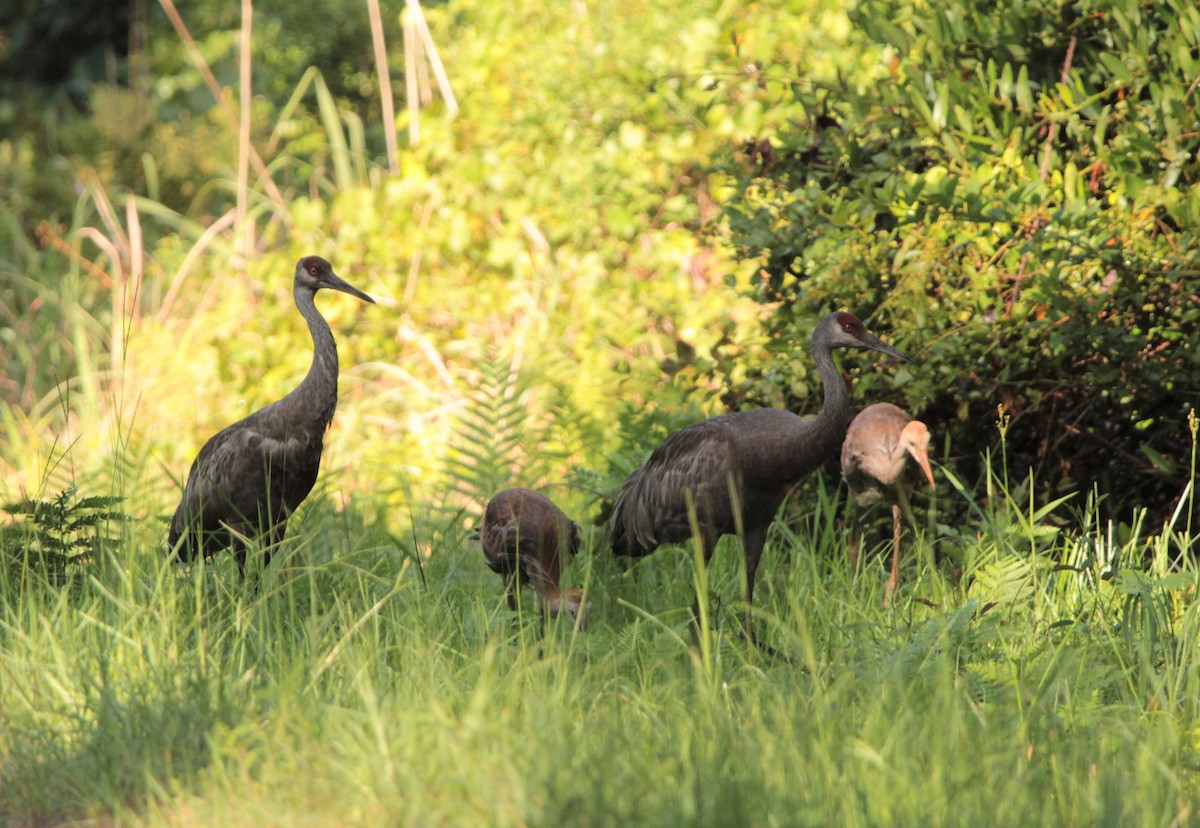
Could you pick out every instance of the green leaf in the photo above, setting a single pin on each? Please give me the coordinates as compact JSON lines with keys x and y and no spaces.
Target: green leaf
{"x":1023,"y":90}
{"x":1161,"y":463}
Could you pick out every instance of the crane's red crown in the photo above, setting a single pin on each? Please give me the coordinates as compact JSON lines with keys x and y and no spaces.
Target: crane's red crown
{"x":851,"y":324}
{"x":314,"y":265}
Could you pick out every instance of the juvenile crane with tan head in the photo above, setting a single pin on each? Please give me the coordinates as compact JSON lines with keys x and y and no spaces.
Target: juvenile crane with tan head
{"x":881,"y":455}
{"x":735,"y":470}
{"x":526,"y":538}
{"x":250,"y":476}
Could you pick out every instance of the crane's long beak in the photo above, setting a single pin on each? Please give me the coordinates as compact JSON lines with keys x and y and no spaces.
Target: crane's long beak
{"x":914,"y":437}
{"x":872,"y":341}
{"x":336,"y":282}
{"x":922,"y":458}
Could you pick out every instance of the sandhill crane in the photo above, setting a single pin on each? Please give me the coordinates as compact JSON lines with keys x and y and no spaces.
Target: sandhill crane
{"x":749,"y":459}
{"x":879,"y":444}
{"x":250,"y":476}
{"x":526,"y":538}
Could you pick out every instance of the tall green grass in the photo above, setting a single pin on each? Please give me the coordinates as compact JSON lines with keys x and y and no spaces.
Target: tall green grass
{"x":1055,"y":685}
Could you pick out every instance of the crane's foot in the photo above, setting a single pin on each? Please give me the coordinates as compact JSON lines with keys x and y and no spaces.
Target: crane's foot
{"x":889,"y":592}
{"x":854,"y":550}
{"x":766,"y":649}
{"x":770,"y":652}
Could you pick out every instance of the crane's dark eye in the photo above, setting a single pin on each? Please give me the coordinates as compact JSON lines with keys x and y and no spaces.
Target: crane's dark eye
{"x":312,"y":270}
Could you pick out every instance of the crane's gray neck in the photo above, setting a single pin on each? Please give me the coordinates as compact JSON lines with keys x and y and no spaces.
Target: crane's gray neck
{"x":835,"y":409}
{"x":318,"y":392}
{"x":820,"y":437}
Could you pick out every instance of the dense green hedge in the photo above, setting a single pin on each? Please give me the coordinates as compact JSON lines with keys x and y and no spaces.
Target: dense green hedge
{"x":1015,"y":202}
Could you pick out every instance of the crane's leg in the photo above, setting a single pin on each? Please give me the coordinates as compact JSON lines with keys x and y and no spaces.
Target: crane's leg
{"x":239,"y":554}
{"x":854,"y":543}
{"x":894,"y":580}
{"x":278,"y":530}
{"x":510,"y":589}
{"x":511,"y":584}
{"x":709,"y":544}
{"x":753,"y":543}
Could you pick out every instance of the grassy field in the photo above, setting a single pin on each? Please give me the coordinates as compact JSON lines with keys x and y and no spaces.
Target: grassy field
{"x":1055,"y":683}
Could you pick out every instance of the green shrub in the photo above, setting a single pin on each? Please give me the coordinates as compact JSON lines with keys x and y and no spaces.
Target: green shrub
{"x":1015,"y":201}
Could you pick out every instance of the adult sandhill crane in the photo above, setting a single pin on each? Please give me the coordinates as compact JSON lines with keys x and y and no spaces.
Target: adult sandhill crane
{"x":737,"y":468}
{"x":876,"y":455}
{"x":526,"y":538}
{"x":250,"y":476}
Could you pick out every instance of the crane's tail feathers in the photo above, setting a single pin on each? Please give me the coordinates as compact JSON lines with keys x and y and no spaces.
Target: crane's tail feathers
{"x":183,"y":551}
{"x":625,"y":543}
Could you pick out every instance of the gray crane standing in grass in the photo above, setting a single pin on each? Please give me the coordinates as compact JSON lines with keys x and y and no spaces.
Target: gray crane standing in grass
{"x":732,"y":472}
{"x":878,"y":456}
{"x":526,"y":538}
{"x":250,"y":476}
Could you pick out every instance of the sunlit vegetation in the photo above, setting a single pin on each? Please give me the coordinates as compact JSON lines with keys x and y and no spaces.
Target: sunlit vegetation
{"x":1020,"y":194}
{"x":626,"y":221}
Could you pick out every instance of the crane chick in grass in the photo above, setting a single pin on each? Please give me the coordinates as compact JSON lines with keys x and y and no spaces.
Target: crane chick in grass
{"x":732,"y":472}
{"x":881,"y":455}
{"x":526,"y":538}
{"x":250,"y":476}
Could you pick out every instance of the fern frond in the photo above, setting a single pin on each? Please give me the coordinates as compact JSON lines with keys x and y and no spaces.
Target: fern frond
{"x":516,"y":430}
{"x":51,"y":537}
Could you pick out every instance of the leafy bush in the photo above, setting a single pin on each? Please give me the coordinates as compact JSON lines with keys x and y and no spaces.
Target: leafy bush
{"x":1016,"y":199}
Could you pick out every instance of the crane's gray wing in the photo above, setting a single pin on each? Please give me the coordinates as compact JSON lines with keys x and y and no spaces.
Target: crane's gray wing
{"x":245,"y":475}
{"x":227,"y":482}
{"x":652,"y":508}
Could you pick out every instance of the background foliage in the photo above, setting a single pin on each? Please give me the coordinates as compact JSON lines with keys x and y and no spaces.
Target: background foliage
{"x":1017,"y":196}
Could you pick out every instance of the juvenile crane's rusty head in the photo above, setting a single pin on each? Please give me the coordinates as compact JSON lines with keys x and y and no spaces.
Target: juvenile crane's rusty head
{"x":915,"y":440}
{"x":572,"y":601}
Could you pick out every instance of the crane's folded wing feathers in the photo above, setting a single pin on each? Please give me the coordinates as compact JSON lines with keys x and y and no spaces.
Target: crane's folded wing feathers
{"x":249,"y":472}
{"x":652,"y":508}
